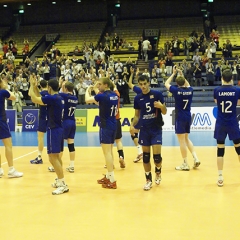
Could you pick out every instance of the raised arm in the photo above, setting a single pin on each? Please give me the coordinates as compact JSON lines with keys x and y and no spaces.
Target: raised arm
{"x":32,"y":94}
{"x":130,"y":84}
{"x":169,"y":80}
{"x":88,"y":97}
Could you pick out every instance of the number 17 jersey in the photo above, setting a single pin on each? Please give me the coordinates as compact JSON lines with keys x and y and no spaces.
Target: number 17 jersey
{"x":227,"y":97}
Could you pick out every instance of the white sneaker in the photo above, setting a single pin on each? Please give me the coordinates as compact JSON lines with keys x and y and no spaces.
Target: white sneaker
{"x":56,"y":184}
{"x":61,"y":190}
{"x":15,"y":174}
{"x":1,"y":173}
{"x":148,"y":185}
{"x":183,"y":167}
{"x":51,"y":169}
{"x":158,"y":178}
{"x":70,"y":169}
{"x":138,"y":158}
{"x":196,"y":163}
{"x":220,"y":181}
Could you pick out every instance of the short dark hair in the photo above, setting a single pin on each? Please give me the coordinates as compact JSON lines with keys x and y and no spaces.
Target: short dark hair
{"x":54,"y":84}
{"x":227,"y":75}
{"x":69,"y":86}
{"x":43,"y":83}
{"x":180,"y":80}
{"x":143,"y":78}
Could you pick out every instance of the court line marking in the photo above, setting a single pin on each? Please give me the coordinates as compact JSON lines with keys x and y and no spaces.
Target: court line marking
{"x":21,"y":156}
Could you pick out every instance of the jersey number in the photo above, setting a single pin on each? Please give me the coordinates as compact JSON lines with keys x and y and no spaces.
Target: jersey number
{"x":114,"y":110}
{"x":71,"y":111}
{"x":186,"y":103}
{"x":225,"y":106}
{"x":148,"y":107}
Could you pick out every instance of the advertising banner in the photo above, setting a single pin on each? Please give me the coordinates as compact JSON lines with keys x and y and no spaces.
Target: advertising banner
{"x":81,"y":120}
{"x":30,"y":120}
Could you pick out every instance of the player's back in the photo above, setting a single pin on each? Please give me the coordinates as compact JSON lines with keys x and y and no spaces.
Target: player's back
{"x":108,"y":107}
{"x":227,"y":97}
{"x":42,"y":108}
{"x":3,"y":94}
{"x":183,"y":100}
{"x":70,"y":103}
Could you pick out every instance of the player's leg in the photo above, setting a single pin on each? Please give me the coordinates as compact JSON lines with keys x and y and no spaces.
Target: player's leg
{"x":237,"y":147}
{"x":183,"y":150}
{"x":220,"y":161}
{"x":71,"y":150}
{"x":138,"y":146}
{"x":118,"y":140}
{"x":157,"y":157}
{"x":12,"y":173}
{"x":38,"y":159}
{"x":191,"y":149}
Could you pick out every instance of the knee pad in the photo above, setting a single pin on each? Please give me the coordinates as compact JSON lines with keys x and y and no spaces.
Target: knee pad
{"x":237,"y":149}
{"x":71,"y":147}
{"x":157,"y":158}
{"x":237,"y":141}
{"x":146,"y":157}
{"x":134,"y":136}
{"x":220,"y":152}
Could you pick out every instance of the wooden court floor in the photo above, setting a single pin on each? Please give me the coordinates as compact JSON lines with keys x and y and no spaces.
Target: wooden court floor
{"x":187,"y":205}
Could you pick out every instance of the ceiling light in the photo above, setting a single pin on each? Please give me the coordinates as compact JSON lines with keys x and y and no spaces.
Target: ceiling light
{"x":5,"y":5}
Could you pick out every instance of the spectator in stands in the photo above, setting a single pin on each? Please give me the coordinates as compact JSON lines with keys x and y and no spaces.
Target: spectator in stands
{"x":67,"y":73}
{"x":203,"y":46}
{"x":226,"y":66}
{"x":169,"y":65}
{"x":198,"y":75}
{"x":140,"y":54}
{"x":170,"y":54}
{"x":76,"y":50}
{"x":163,"y":72}
{"x":215,"y":37}
{"x":146,"y":73}
{"x":17,"y":104}
{"x":202,"y":38}
{"x":24,"y":89}
{"x":5,"y":48}
{"x":223,"y":60}
{"x":196,"y":59}
{"x":87,"y":53}
{"x":118,"y":67}
{"x":111,"y":63}
{"x":183,"y":67}
{"x":195,"y":46}
{"x":107,"y":40}
{"x":229,"y":48}
{"x":26,"y":48}
{"x":234,"y":69}
{"x":14,"y":49}
{"x":167,"y":46}
{"x":10,"y":56}
{"x":115,"y":41}
{"x":189,"y":74}
{"x":91,"y":46}
{"x":213,"y":47}
{"x":209,"y":52}
{"x":101,"y":72}
{"x":101,"y":53}
{"x":129,"y":65}
{"x":210,"y":74}
{"x":145,"y":48}
{"x":175,"y":45}
{"x":157,"y":70}
{"x":225,"y":51}
{"x":96,"y":54}
{"x":154,"y":81}
{"x":208,"y":63}
{"x":81,"y":88}
{"x":125,"y":73}
{"x":162,"y":61}
{"x":186,"y":46}
{"x":107,"y":52}
{"x":161,"y":54}
{"x":204,"y":61}
{"x":46,"y":72}
{"x":218,"y":71}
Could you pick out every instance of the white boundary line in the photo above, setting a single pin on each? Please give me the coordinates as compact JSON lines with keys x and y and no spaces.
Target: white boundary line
{"x":21,"y":156}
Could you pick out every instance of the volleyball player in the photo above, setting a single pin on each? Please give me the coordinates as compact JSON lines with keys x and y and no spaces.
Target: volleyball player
{"x":55,"y":108}
{"x":227,"y":98}
{"x":149,"y":107}
{"x":108,"y":107}
{"x":42,"y":122}
{"x":182,"y":94}
{"x":69,"y":122}
{"x":134,"y":136}
{"x":5,"y":134}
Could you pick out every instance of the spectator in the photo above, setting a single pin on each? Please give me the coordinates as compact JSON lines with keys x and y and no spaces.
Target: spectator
{"x":145,"y":48}
{"x":5,"y":49}
{"x":235,"y":68}
{"x":195,"y":46}
{"x":118,"y":67}
{"x":175,"y":46}
{"x":213,"y":47}
{"x":225,"y":51}
{"x":215,"y":37}
{"x":125,"y":73}
{"x":115,"y":41}
{"x":218,"y":71}
{"x":107,"y":51}
{"x":198,"y":75}
{"x":167,"y":46}
{"x":81,"y":88}
{"x":210,"y":74}
{"x":163,"y":72}
{"x":196,"y":59}
{"x":204,"y":61}
{"x":146,"y":73}
{"x":229,"y":48}
{"x":46,"y":72}
{"x":189,"y":74}
{"x":169,"y":65}
{"x":140,"y":41}
{"x":25,"y":88}
{"x":209,"y":52}
{"x":107,"y":40}
{"x":161,"y":62}
{"x":186,"y":47}
{"x":157,"y":70}
{"x":161,"y":54}
{"x":154,"y":81}
{"x":76,"y":50}
{"x":17,"y":104}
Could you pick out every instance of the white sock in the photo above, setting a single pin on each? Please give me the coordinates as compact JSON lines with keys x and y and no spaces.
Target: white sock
{"x":185,"y":160}
{"x":1,"y":170}
{"x":71,"y":163}
{"x":39,"y":155}
{"x":111,"y":176}
{"x":62,"y":181}
{"x":107,"y":175}
{"x":11,"y":169}
{"x":220,"y":172}
{"x":139,"y":149}
{"x":194,"y":155}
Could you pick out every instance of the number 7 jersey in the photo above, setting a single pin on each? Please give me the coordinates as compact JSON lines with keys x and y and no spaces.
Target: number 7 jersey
{"x":227,"y":97}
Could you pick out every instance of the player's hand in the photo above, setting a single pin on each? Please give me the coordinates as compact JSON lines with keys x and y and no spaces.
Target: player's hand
{"x":180,"y":72}
{"x":132,"y":70}
{"x":132,"y":130}
{"x":158,"y":104}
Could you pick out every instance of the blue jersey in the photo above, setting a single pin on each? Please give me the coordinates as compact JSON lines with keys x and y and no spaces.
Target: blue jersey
{"x":43,"y":109}
{"x":70,"y":103}
{"x":55,"y":108}
{"x":183,"y":100}
{"x":3,"y":94}
{"x":150,"y":116}
{"x":227,"y":97}
{"x":108,"y":108}
{"x":137,"y":90}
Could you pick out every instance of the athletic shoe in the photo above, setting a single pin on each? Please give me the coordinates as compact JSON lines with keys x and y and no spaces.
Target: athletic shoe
{"x":51,"y":169}
{"x":36,"y":161}
{"x":196,"y":163}
{"x":183,"y":167}
{"x":122,"y":163}
{"x":56,"y":184}
{"x":70,"y":169}
{"x":158,"y":178}
{"x":1,"y":173}
{"x":138,"y":158}
{"x":15,"y":174}
{"x":104,"y":180}
{"x":60,"y":190}
{"x":148,"y":185}
{"x":110,"y":185}
{"x":220,"y":181}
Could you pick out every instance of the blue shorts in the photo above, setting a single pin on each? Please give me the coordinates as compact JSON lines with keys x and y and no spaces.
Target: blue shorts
{"x":54,"y":140}
{"x":69,"y":129}
{"x":149,"y":137}
{"x":221,"y":132}
{"x":42,"y":125}
{"x":4,"y":130}
{"x":182,"y":127}
{"x":107,"y":136}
